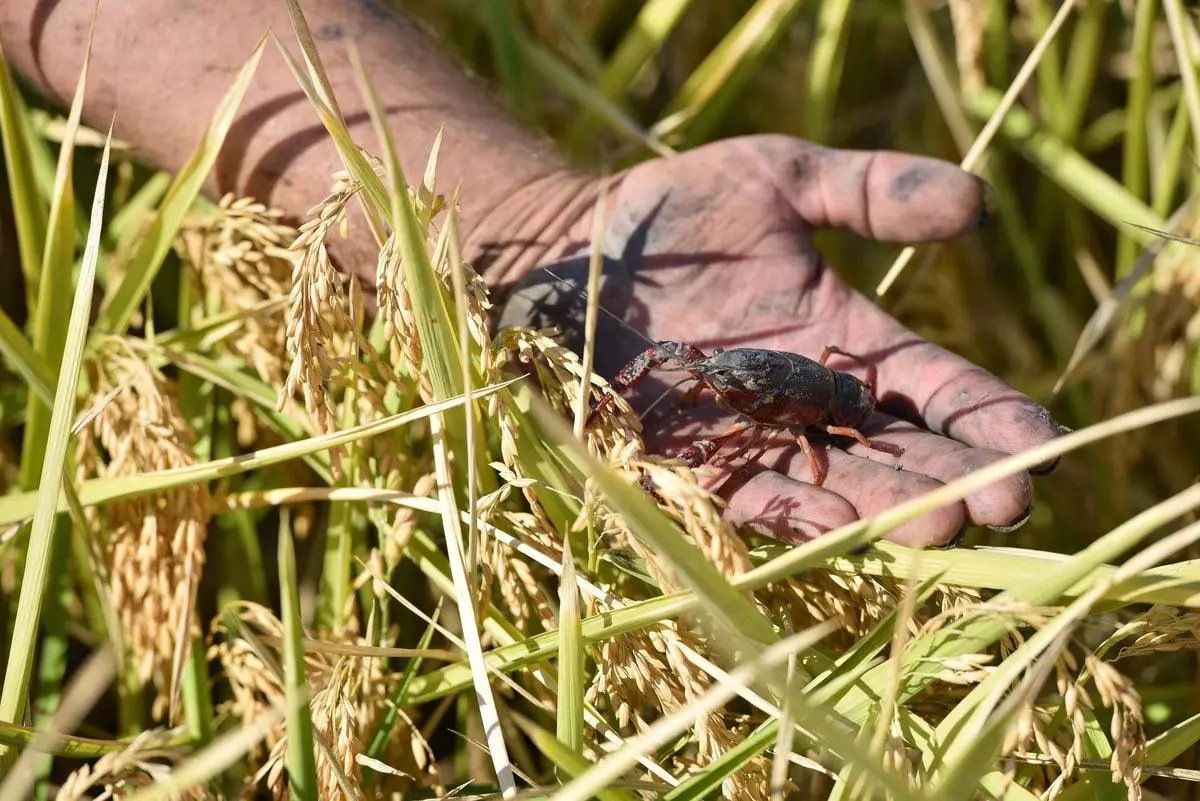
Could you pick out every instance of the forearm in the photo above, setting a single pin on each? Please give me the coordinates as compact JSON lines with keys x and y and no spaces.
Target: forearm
{"x":162,"y":66}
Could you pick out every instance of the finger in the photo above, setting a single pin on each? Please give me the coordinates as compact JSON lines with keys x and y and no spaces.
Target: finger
{"x":951,"y":396}
{"x":776,"y":506}
{"x":888,"y":196}
{"x":1004,"y":505}
{"x":873,"y":487}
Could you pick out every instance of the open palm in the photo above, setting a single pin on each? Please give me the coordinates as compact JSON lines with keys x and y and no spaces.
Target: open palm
{"x":713,"y":247}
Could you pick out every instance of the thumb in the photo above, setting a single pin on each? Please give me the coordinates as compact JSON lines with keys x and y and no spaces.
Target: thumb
{"x":884,"y":195}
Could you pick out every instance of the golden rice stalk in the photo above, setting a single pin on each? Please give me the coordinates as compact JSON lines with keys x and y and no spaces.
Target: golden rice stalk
{"x":559,"y":372}
{"x":1057,"y":734}
{"x":479,"y":307}
{"x":1160,"y":628}
{"x":408,"y":753}
{"x":239,"y":258}
{"x":396,"y":531}
{"x":1014,"y":613}
{"x":520,"y":584}
{"x":395,"y":305}
{"x":1068,"y":722}
{"x":698,"y":513}
{"x":399,"y":319}
{"x":645,"y":674}
{"x":1120,"y":695}
{"x":1074,"y":701}
{"x":969,"y":18}
{"x":335,"y":720}
{"x":351,"y":696}
{"x":152,"y":548}
{"x":251,"y":668}
{"x":857,"y":601}
{"x":317,"y":307}
{"x":121,"y":773}
{"x":860,"y":601}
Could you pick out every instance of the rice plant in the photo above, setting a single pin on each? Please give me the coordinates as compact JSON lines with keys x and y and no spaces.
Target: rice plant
{"x":256,"y":541}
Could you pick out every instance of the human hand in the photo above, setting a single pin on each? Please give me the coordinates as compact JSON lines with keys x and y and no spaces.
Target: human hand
{"x":713,"y":247}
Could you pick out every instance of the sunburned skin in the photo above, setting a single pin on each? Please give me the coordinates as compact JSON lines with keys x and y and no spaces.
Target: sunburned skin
{"x":711,"y":247}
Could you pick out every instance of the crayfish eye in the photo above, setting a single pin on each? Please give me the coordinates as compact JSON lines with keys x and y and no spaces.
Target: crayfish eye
{"x":718,"y":351}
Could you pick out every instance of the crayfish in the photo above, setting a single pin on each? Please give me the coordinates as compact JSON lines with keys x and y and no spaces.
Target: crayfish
{"x":769,"y":389}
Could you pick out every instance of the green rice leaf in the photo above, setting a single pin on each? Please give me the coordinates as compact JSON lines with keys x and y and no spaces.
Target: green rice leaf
{"x":572,"y":683}
{"x":708,"y":780}
{"x":710,"y":88}
{"x":568,"y":81}
{"x":1183,"y":41}
{"x":444,"y":363}
{"x":1097,"y":747}
{"x":127,"y":221}
{"x":826,"y":59}
{"x":438,"y":333}
{"x":29,"y":212}
{"x":317,"y":89}
{"x":70,"y":746}
{"x":1000,"y":568}
{"x":976,"y":634}
{"x":503,"y":28}
{"x":795,"y":561}
{"x":641,"y":43}
{"x":987,"y":710}
{"x":19,"y":506}
{"x":301,"y":753}
{"x":1066,"y":167}
{"x":1162,"y":750}
{"x":568,"y":761}
{"x":45,"y":500}
{"x":54,"y":290}
{"x":866,"y":650}
{"x":399,"y":699}
{"x":816,"y":717}
{"x":734,"y":611}
{"x":22,"y":358}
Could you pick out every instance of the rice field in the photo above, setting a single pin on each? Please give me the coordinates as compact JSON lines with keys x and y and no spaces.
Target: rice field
{"x":256,"y":542}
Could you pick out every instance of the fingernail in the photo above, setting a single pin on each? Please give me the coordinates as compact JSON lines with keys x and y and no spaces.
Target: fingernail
{"x":954,"y":541}
{"x":1046,"y":469}
{"x":1049,"y":467}
{"x":1017,"y":523}
{"x":987,"y":202}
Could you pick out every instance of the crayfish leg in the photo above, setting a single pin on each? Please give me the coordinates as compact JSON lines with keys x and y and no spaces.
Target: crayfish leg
{"x":831,"y":350}
{"x":752,"y":438}
{"x":883,"y":447}
{"x":814,"y":464}
{"x":692,"y":394}
{"x":702,"y":450}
